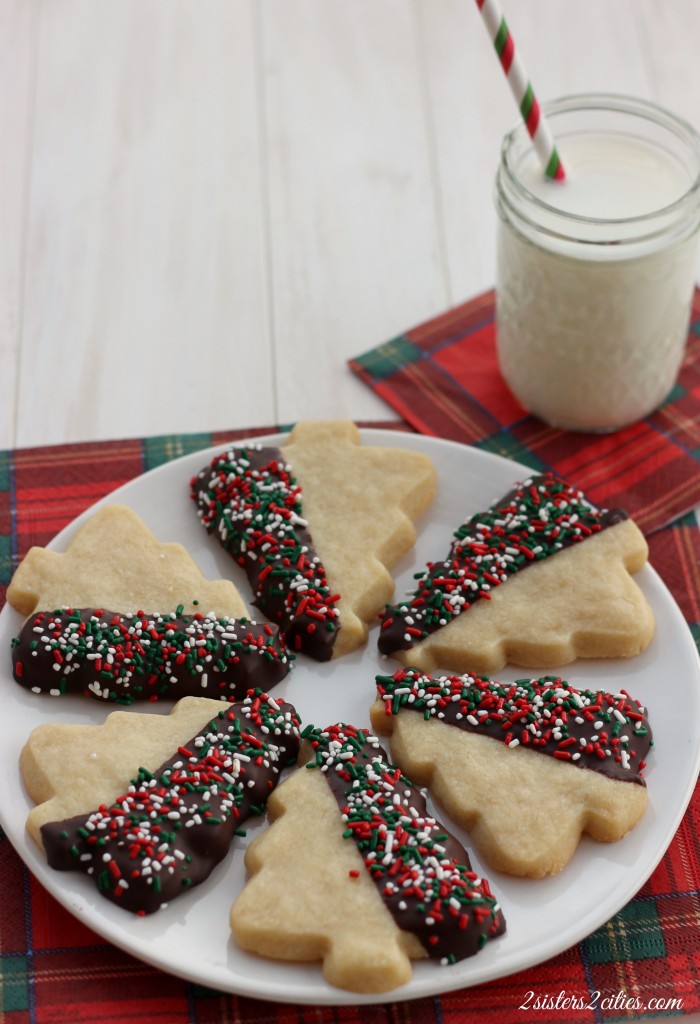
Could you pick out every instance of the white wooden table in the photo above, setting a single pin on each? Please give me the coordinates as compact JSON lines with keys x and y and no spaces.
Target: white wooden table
{"x":208,"y":206}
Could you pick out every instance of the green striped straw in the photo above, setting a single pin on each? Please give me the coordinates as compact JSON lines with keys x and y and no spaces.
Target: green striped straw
{"x":521,"y":88}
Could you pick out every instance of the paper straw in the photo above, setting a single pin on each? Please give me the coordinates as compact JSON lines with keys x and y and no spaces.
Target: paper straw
{"x":521,"y":88}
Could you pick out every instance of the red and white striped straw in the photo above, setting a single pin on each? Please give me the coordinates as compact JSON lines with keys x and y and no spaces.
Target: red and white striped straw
{"x":521,"y":88}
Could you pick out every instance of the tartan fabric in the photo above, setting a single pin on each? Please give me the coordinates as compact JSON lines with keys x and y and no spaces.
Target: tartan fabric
{"x":443,"y":378}
{"x":52,"y":968}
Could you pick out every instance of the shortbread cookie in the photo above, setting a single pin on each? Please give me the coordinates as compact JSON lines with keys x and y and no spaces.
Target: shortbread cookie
{"x":526,"y":768}
{"x":315,"y":525}
{"x":147,"y":805}
{"x":568,"y":592}
{"x":115,"y":561}
{"x":122,"y":617}
{"x":355,"y":873}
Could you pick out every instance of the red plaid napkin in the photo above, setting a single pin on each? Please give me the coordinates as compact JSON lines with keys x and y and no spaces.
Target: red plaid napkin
{"x":54,"y":969}
{"x":443,"y":378}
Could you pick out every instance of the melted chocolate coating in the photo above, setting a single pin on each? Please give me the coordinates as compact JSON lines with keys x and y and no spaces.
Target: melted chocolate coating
{"x":173,"y":826}
{"x":604,"y":732}
{"x":532,"y":521}
{"x":271,"y":542}
{"x":124,"y":658}
{"x":424,"y":876}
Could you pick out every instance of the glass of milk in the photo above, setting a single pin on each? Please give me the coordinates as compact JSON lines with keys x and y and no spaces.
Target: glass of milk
{"x":595,"y":274}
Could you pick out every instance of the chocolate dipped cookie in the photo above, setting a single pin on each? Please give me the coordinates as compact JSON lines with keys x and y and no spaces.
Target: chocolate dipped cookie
{"x":527,"y":767}
{"x":147,"y":805}
{"x":539,"y":579}
{"x":315,"y":525}
{"x":121,"y":617}
{"x":354,"y":872}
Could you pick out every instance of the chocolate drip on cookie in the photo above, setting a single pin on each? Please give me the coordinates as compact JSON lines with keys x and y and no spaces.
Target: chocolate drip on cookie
{"x":608,"y":733}
{"x":250,"y":499}
{"x":534,"y":520}
{"x":125,"y":658}
{"x":172,"y":826}
{"x":420,"y":870}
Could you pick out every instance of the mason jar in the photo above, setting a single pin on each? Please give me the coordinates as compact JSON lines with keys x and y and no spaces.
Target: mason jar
{"x":595,"y":274}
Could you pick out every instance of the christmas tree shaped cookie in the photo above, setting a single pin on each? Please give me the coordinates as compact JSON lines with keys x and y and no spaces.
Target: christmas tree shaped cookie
{"x":121,"y":617}
{"x":316,"y":524}
{"x":355,"y":873}
{"x":526,"y":768}
{"x":538,"y":579}
{"x":147,"y":805}
{"x":70,"y":769}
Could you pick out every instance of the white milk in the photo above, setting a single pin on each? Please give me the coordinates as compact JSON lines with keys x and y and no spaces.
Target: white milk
{"x":596,"y":274}
{"x":608,"y":178}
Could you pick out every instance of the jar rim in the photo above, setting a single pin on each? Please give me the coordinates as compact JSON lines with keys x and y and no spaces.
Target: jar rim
{"x":610,"y":102}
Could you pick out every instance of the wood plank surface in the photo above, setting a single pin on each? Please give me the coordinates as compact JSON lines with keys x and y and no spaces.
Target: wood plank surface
{"x":355,"y":247}
{"x":18,"y":25}
{"x":206,"y":209}
{"x":146,"y":299}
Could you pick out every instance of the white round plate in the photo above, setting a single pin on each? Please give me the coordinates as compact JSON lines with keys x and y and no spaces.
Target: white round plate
{"x":191,"y":938}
